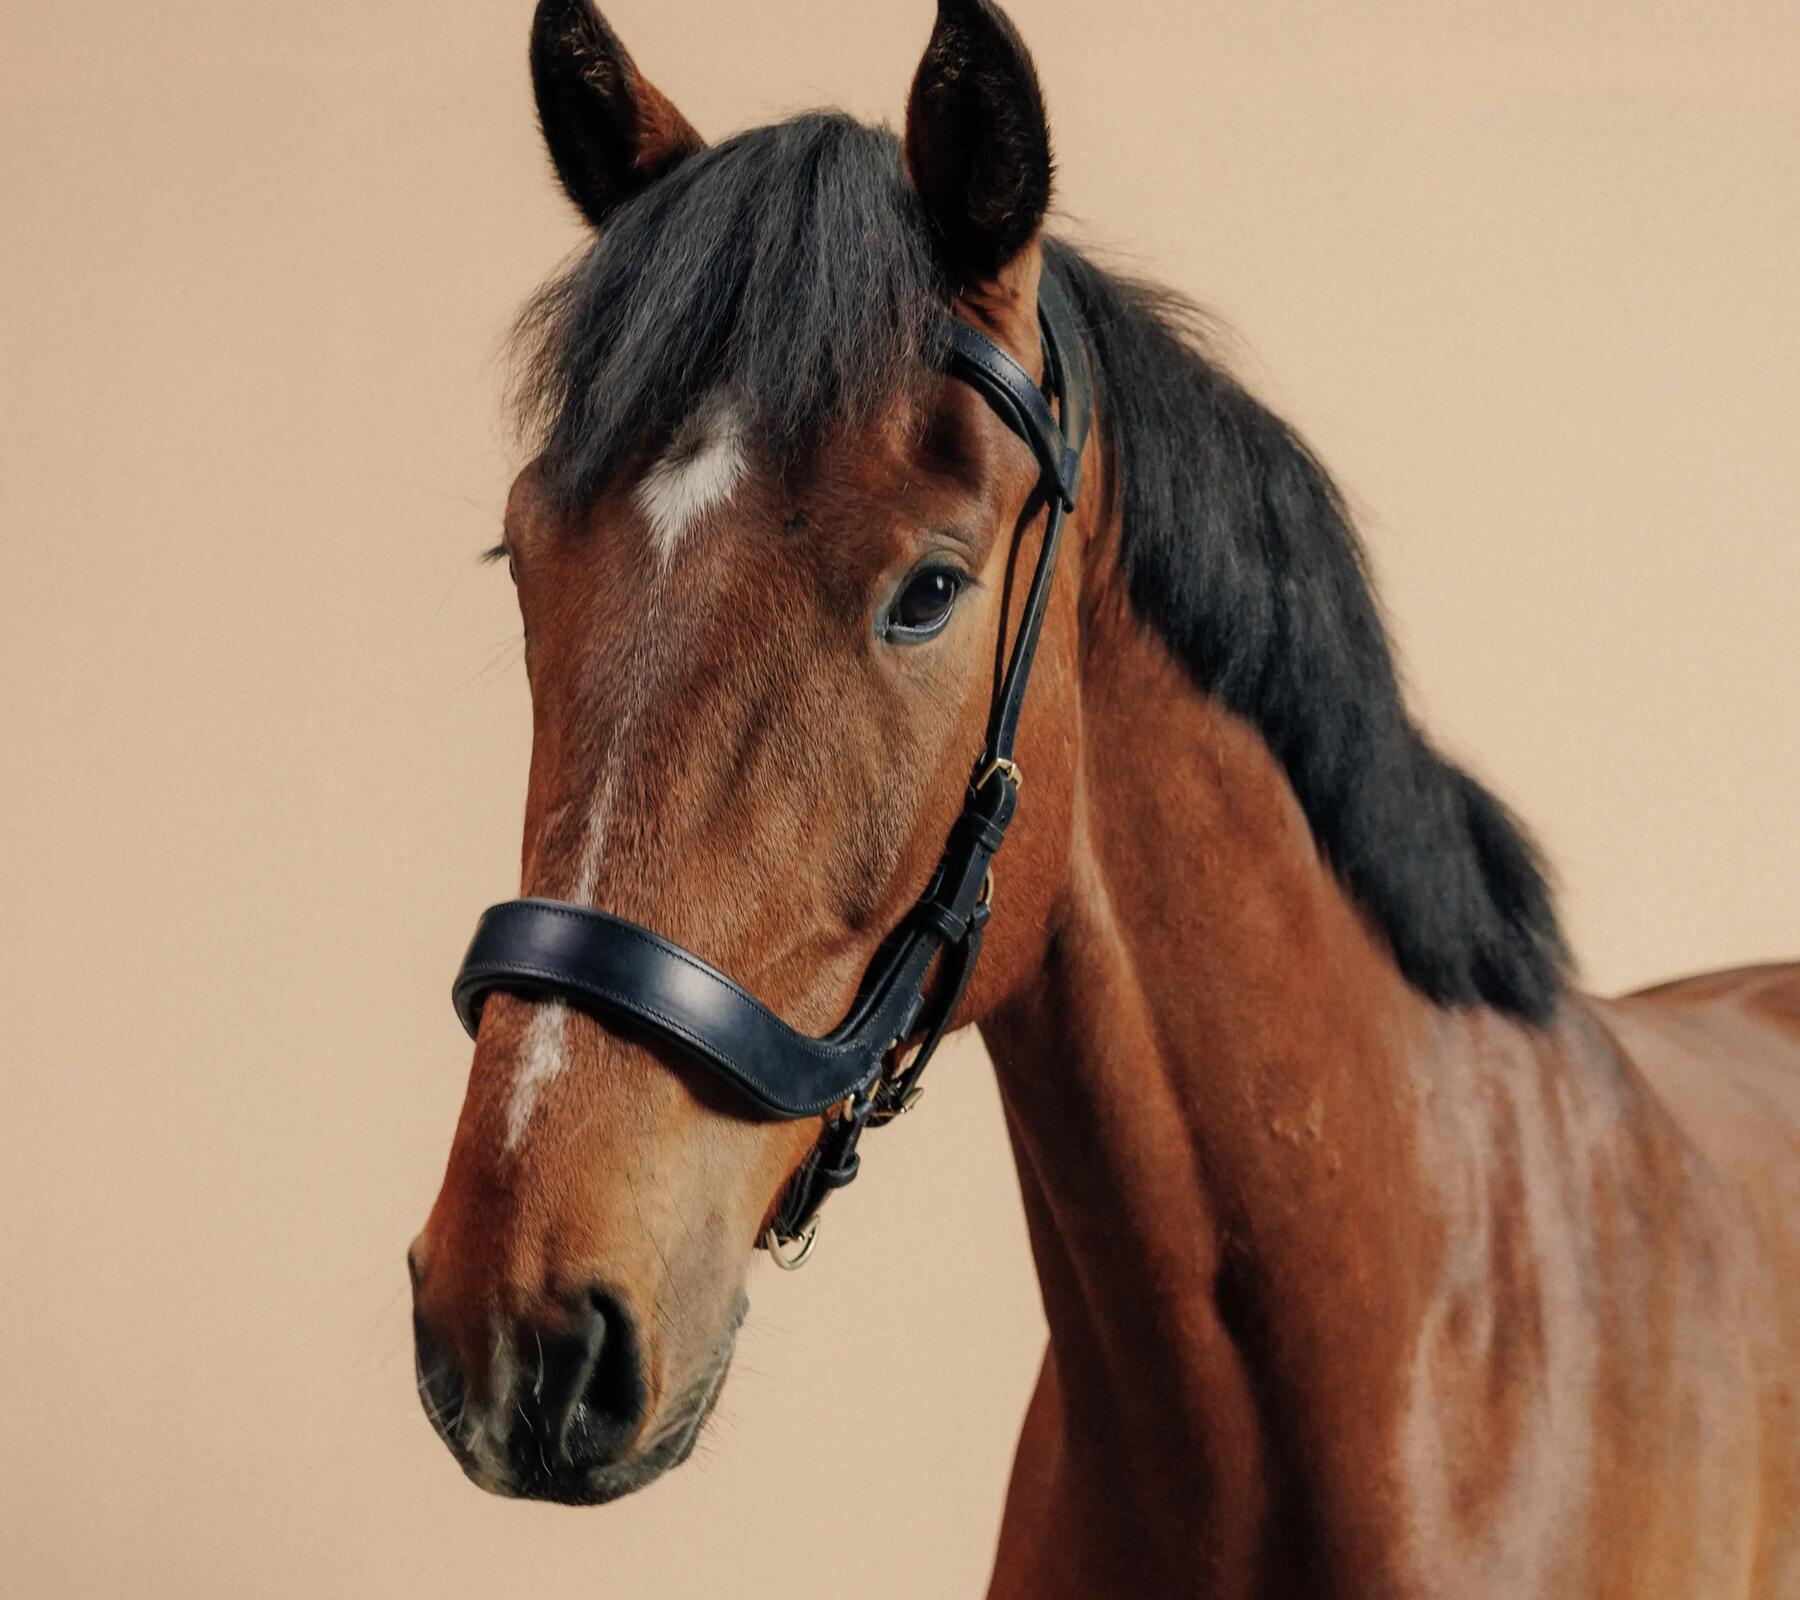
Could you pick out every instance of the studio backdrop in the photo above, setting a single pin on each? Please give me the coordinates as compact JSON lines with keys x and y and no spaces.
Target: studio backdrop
{"x":1523,"y":275}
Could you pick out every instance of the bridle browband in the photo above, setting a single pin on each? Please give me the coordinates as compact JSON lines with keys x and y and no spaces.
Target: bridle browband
{"x":602,"y":963}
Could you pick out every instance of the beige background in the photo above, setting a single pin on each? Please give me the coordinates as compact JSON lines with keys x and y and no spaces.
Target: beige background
{"x":1524,"y":273}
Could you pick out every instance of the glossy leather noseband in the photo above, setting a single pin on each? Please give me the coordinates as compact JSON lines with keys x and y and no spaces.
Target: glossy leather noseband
{"x":607,"y":965}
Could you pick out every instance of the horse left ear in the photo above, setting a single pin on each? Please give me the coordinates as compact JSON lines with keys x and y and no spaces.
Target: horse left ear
{"x":610,"y":131}
{"x":977,"y":140}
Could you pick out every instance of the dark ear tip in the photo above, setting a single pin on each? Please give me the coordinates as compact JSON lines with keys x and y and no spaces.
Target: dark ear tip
{"x":552,"y":19}
{"x":608,"y":130}
{"x":981,"y":16}
{"x":971,"y":8}
{"x":561,"y":29}
{"x":975,"y":49}
{"x":979,"y":32}
{"x":552,"y":15}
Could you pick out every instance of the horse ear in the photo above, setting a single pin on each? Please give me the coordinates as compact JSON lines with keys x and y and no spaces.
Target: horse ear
{"x":977,"y":139}
{"x":609,"y":130}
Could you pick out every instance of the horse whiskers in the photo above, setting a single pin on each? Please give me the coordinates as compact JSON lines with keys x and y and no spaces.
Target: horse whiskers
{"x":691,"y":1411}
{"x":425,"y":1383}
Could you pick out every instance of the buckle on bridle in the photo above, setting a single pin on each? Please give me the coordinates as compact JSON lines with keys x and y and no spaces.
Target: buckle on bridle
{"x":1006,"y":768}
{"x":897,"y":1091}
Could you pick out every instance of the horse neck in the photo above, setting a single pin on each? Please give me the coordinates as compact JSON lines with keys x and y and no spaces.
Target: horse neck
{"x":1221,"y":1094}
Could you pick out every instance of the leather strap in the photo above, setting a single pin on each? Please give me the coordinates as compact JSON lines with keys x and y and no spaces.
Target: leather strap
{"x":603,"y":963}
{"x":1003,"y":383}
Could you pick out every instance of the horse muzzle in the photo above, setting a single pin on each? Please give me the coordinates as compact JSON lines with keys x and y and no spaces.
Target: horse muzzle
{"x":558,"y":1405}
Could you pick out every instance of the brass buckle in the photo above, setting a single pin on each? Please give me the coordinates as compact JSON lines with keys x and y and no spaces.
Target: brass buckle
{"x":1009,"y":770}
{"x":884,"y":1114}
{"x":887,"y":1109}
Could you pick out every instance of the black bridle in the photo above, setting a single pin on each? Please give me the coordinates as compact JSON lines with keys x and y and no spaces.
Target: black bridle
{"x":603,"y":963}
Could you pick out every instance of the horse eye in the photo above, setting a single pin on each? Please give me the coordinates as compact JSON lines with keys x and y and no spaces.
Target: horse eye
{"x":923,"y":606}
{"x":502,"y":552}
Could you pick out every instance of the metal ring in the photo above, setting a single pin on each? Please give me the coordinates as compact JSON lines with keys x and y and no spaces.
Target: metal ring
{"x":778,"y":1245}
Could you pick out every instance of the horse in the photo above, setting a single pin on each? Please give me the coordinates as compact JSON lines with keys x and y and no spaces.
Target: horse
{"x":1377,"y":1258}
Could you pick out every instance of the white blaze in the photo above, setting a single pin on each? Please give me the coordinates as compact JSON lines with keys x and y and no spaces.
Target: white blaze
{"x":700,"y":470}
{"x":541,"y":1061}
{"x":546,"y":1049}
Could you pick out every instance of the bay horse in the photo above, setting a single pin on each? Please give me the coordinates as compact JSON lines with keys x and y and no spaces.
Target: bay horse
{"x":1378,"y":1260}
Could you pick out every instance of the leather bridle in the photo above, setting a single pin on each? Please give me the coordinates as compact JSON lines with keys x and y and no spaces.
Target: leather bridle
{"x":602,"y":963}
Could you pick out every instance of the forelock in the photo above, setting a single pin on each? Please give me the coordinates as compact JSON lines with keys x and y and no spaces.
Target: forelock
{"x":791,"y":267}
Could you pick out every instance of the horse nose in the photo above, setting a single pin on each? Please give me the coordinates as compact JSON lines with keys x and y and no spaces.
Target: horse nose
{"x":581,"y":1390}
{"x":565,"y":1393}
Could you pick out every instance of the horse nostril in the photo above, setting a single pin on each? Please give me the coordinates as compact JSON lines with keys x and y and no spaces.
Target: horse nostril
{"x":614,"y":1393}
{"x":583,"y":1398}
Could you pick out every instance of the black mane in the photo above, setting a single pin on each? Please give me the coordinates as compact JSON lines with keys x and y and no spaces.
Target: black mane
{"x":793,"y":266}
{"x":1239,"y":553}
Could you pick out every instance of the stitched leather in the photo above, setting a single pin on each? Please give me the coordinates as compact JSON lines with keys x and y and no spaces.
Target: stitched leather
{"x":603,"y":963}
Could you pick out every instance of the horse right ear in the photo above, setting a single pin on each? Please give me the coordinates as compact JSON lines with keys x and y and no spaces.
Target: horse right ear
{"x":609,"y":130}
{"x":977,"y":140}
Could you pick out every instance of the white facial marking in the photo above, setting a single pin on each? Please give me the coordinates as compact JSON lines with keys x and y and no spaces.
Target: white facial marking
{"x":701,"y":470}
{"x":540,"y":1062}
{"x":546,"y":1050}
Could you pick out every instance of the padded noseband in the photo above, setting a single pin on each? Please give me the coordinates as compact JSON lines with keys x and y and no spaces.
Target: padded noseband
{"x":549,"y":949}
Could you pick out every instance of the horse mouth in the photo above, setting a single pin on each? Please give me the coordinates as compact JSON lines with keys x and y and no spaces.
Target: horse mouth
{"x":671,"y":1444}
